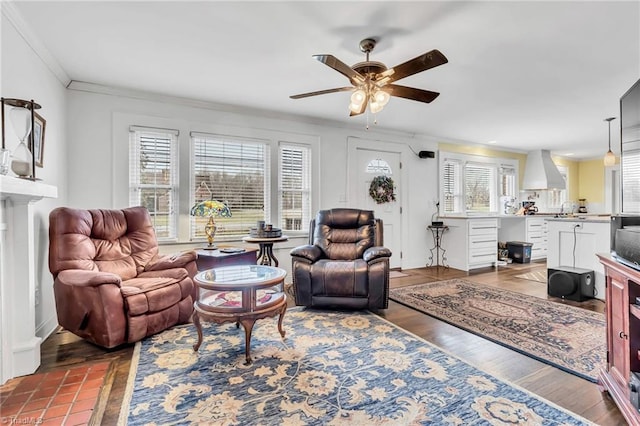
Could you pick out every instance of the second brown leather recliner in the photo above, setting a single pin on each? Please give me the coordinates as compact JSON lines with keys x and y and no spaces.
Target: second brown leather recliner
{"x":345,"y":264}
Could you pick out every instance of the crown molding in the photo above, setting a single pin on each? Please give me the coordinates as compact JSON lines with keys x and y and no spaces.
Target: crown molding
{"x":83,"y":86}
{"x":12,"y":14}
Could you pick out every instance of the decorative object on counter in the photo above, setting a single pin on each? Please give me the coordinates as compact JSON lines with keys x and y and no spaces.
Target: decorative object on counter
{"x":210,"y":208}
{"x":263,"y":230}
{"x":609,"y":157}
{"x":382,"y":189}
{"x":509,"y":205}
{"x":529,"y":207}
{"x":22,"y":117}
{"x":582,"y":202}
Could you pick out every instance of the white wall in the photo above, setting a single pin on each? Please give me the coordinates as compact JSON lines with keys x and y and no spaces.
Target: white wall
{"x":98,"y":137}
{"x":26,"y":76}
{"x":81,"y":159}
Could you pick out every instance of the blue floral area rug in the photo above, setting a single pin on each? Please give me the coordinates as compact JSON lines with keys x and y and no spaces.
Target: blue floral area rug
{"x":567,"y":337}
{"x":331,"y":368}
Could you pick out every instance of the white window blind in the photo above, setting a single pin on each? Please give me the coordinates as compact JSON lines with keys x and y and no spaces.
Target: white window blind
{"x":294,"y":181}
{"x":236,"y":171}
{"x":452,"y":194}
{"x":631,"y":188}
{"x":508,"y":181}
{"x":479,"y":184}
{"x":153,"y":176}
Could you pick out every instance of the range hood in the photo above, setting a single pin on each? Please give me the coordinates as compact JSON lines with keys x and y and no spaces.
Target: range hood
{"x":541,"y":172}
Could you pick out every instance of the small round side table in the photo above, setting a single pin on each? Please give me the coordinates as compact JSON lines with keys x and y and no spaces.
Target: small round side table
{"x":265,"y":255}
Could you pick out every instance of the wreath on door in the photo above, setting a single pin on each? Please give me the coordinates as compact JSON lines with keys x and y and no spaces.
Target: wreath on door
{"x":381,"y":189}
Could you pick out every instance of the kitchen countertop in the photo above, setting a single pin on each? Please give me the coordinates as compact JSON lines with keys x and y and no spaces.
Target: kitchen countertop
{"x":548,"y":216}
{"x":604,"y":219}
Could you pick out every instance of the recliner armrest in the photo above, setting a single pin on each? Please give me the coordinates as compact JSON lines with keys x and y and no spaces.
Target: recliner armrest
{"x":178,"y":260}
{"x":308,"y":252}
{"x":375,"y":253}
{"x":84,"y":278}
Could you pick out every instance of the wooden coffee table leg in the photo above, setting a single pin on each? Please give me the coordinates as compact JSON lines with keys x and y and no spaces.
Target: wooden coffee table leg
{"x":196,"y":322}
{"x":248,"y":327}
{"x":280,"y":329}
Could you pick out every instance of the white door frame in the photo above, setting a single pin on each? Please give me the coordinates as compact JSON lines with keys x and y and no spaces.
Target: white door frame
{"x":355,"y":143}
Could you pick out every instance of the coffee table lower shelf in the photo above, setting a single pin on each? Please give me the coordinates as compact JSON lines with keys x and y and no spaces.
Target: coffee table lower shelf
{"x":247,"y":319}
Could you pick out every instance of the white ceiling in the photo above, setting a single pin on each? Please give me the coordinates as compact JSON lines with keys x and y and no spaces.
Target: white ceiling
{"x":529,"y":75}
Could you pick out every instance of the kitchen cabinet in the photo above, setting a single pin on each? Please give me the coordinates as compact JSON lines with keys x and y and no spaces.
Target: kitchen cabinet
{"x":531,"y":229}
{"x":471,"y":242}
{"x":623,"y":334}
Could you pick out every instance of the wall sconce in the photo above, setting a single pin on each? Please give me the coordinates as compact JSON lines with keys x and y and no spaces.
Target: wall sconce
{"x":22,"y":119}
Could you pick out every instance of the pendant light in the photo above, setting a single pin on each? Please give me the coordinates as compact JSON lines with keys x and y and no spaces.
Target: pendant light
{"x":609,"y":157}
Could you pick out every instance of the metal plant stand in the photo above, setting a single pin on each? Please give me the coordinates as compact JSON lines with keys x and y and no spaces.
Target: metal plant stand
{"x":437,"y":250}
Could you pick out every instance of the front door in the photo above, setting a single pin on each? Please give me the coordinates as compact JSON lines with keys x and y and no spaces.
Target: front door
{"x":367,"y":164}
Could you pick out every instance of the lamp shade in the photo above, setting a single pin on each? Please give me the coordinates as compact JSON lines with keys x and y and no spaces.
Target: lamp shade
{"x":210,"y":208}
{"x":609,"y":159}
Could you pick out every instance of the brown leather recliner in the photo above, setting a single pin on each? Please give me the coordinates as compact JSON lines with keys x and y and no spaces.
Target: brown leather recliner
{"x":345,"y":264}
{"x":110,"y":285}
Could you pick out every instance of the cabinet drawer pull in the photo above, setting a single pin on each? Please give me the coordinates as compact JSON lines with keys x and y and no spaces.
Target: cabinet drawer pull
{"x":622,"y":335}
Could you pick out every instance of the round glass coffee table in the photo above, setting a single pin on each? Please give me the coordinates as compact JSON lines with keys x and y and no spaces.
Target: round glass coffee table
{"x":240,"y":294}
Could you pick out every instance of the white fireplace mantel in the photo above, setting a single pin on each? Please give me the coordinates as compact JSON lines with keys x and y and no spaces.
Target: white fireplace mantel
{"x":19,"y":345}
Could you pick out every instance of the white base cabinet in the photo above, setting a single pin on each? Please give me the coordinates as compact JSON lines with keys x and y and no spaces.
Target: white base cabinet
{"x":471,"y":243}
{"x":530,"y":229}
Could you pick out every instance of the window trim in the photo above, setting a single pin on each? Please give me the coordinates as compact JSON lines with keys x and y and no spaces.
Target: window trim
{"x":216,"y":124}
{"x":174,"y":186}
{"x":497,"y":163}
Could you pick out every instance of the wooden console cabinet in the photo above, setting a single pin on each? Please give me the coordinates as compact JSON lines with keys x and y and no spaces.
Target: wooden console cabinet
{"x":623,"y":334}
{"x":209,"y":259}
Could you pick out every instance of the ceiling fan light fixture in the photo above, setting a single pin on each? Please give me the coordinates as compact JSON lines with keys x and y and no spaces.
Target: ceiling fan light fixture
{"x":375,"y":107}
{"x":381,"y":97}
{"x":358,"y":97}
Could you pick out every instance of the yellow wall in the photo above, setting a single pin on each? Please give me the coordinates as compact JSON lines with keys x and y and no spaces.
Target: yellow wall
{"x":573,"y":168}
{"x":487,"y":152}
{"x":586,"y":178}
{"x":591,"y":178}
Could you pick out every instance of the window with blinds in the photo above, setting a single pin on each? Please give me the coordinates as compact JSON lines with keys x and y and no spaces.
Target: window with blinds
{"x":479,"y":184}
{"x":235,"y":171}
{"x":631,"y":170}
{"x":473,"y":184}
{"x":153,"y":176}
{"x":508,"y":182}
{"x":294,"y":185}
{"x":451,"y":188}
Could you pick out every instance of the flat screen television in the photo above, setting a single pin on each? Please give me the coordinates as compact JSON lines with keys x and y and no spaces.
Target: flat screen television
{"x":630,"y":150}
{"x":625,"y":228}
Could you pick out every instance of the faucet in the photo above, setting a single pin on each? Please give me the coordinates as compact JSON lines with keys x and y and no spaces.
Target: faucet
{"x":562,"y":213}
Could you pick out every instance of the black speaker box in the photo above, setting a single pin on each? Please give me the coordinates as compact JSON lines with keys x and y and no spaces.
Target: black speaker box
{"x":569,"y":283}
{"x":427,"y":154}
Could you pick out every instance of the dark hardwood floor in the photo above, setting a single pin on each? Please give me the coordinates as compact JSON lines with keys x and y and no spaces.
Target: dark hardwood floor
{"x":577,"y":395}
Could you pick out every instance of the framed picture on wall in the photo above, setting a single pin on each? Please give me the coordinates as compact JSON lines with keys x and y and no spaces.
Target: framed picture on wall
{"x":39,"y":126}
